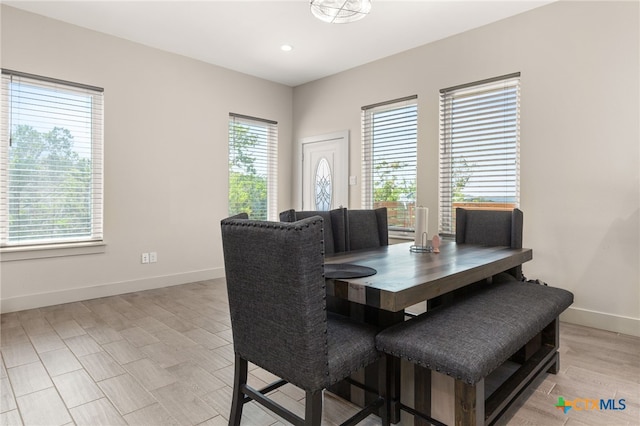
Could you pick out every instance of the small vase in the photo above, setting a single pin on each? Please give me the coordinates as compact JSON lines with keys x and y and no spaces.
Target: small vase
{"x":435,"y":243}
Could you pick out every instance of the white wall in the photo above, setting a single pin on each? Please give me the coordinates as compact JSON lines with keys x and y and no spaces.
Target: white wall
{"x":580,"y":138}
{"x":166,"y":127}
{"x":166,"y":140}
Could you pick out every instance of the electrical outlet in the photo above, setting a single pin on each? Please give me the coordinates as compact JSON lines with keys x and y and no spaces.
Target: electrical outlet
{"x":153,"y":257}
{"x":144,"y":258}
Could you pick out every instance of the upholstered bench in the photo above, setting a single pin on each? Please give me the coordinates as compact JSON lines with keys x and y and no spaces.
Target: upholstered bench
{"x":471,"y":338}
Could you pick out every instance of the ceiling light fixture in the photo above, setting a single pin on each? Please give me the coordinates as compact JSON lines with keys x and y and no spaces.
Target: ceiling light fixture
{"x":340,"y":11}
{"x":286,"y":48}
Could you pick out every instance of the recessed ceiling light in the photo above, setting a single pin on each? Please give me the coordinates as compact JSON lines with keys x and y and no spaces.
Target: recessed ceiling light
{"x":286,"y":48}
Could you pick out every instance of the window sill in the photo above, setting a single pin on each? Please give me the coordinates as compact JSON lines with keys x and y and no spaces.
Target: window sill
{"x":410,"y":235}
{"x":401,"y":235}
{"x":11,"y":254}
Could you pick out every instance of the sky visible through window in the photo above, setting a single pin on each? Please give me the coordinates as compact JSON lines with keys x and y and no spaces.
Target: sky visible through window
{"x":43,"y":109}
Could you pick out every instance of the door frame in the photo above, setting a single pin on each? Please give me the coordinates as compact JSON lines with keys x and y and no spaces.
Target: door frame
{"x":342,"y":151}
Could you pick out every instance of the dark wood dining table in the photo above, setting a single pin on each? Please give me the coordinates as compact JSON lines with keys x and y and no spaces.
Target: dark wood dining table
{"x":403,"y":279}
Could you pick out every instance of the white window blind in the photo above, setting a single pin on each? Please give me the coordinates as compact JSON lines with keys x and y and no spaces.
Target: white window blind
{"x":253,"y":166}
{"x":389,"y":148}
{"x":51,"y":156}
{"x":479,"y":147}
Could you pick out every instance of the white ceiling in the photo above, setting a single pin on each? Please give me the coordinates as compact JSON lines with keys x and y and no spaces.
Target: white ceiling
{"x":246,"y":36}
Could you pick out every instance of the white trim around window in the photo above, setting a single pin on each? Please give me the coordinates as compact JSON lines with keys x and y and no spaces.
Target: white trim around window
{"x":51,"y":157}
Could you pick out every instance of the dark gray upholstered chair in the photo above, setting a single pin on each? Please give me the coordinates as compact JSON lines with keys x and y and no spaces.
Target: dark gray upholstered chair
{"x":367,"y":228}
{"x":491,"y":228}
{"x":335,"y":226}
{"x":242,"y":215}
{"x":276,"y":290}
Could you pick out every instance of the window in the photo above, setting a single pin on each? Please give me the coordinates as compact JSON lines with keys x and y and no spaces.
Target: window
{"x":253,"y":145}
{"x":51,"y":161}
{"x":479,"y":147}
{"x":390,"y":133}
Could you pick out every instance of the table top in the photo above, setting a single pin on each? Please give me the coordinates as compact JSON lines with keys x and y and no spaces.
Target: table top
{"x":405,"y":278}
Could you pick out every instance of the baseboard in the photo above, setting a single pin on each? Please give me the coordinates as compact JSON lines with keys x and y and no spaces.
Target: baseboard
{"x":603,"y":321}
{"x":40,"y":300}
{"x":587,"y":318}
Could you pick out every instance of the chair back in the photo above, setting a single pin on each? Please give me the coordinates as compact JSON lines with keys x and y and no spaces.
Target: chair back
{"x":367,"y":228}
{"x":489,"y":227}
{"x":335,"y":226}
{"x":242,"y":215}
{"x":276,"y":290}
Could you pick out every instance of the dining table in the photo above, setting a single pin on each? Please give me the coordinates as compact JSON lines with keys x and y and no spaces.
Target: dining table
{"x":396,"y":277}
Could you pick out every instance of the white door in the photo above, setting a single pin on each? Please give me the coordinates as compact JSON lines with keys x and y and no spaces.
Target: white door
{"x":325,"y":171}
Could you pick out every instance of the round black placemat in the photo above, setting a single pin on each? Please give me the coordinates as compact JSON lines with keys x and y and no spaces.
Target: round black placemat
{"x":346,"y":270}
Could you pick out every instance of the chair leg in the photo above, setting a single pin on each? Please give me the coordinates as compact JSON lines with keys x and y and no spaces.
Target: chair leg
{"x":384,"y":389}
{"x":393,"y":389}
{"x":239,"y":380}
{"x":313,"y":408}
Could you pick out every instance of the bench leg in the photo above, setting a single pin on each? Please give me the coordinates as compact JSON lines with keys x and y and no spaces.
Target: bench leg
{"x":469,"y":403}
{"x":551,"y":337}
{"x":422,"y":393}
{"x":555,"y":367}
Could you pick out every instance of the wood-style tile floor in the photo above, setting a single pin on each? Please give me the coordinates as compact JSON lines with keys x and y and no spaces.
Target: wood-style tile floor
{"x":165,"y":357}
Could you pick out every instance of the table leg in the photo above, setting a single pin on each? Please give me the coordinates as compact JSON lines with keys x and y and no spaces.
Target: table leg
{"x":381,"y":318}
